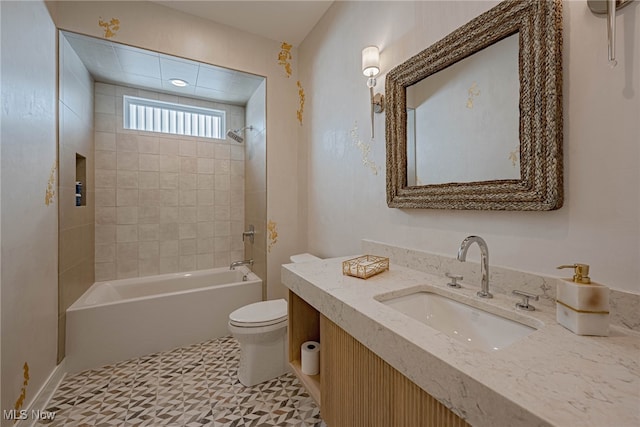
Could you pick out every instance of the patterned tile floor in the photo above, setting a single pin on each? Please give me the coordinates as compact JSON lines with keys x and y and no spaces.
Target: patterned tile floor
{"x":189,"y":386}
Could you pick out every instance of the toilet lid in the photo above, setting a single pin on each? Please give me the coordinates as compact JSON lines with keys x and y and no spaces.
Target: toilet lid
{"x":260,"y":314}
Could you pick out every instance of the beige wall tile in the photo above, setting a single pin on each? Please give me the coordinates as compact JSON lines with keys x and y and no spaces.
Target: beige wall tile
{"x":169,"y":198}
{"x":105,"y":271}
{"x":127,"y":142}
{"x":105,"y":234}
{"x":187,"y":148}
{"x":148,"y":232}
{"x":127,"y":269}
{"x":204,"y":261}
{"x":170,"y":265}
{"x":205,"y":182}
{"x":169,"y":180}
{"x":169,"y":231}
{"x":204,"y":245}
{"x":127,"y":179}
{"x":205,"y":149}
{"x":126,"y":251}
{"x":126,"y":233}
{"x":223,"y":259}
{"x":168,"y":163}
{"x":205,"y":197}
{"x":105,"y":178}
{"x":148,"y":144}
{"x":188,"y":198}
{"x":148,"y":215}
{"x":188,"y":246}
{"x":105,"y":122}
{"x":127,"y":215}
{"x":149,"y":197}
{"x":187,"y":262}
{"x":149,"y":267}
{"x":205,"y":229}
{"x":127,"y":160}
{"x":187,"y":214}
{"x":168,"y":146}
{"x":188,"y":165}
{"x":105,"y":215}
{"x":205,"y":165}
{"x":149,"y":162}
{"x":188,"y":181}
{"x":105,"y":197}
{"x":127,"y":197}
{"x":148,"y":250}
{"x":169,"y":214}
{"x":148,"y":180}
{"x":105,"y":141}
{"x":105,"y":159}
{"x":105,"y":253}
{"x":169,"y":248}
{"x":165,"y":193}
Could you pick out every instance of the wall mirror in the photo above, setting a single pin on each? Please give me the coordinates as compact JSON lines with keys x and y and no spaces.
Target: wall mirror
{"x":475,"y":120}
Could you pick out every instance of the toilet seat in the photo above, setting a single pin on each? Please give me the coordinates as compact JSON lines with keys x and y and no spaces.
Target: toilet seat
{"x":259,"y":314}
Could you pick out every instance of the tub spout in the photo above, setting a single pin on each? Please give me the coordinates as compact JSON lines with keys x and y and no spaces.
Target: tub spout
{"x":239,"y":263}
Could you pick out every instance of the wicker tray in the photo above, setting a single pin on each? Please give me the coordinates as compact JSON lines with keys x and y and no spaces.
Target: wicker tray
{"x":365,"y":266}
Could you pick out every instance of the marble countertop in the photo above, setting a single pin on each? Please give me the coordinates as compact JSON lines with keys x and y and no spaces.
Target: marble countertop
{"x":550,"y":377}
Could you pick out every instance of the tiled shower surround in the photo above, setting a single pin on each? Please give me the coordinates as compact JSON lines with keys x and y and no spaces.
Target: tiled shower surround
{"x":164,"y":203}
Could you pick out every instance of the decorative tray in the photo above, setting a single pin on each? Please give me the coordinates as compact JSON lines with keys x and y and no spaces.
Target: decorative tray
{"x":365,"y":266}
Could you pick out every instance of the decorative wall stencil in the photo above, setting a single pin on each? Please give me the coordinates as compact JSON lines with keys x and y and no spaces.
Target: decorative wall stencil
{"x":110,"y":28}
{"x":364,"y":148}
{"x":273,"y":234}
{"x":23,"y":391}
{"x":301,"y":95}
{"x":284,"y":56}
{"x":514,"y":156}
{"x":50,"y":193}
{"x":473,"y":93}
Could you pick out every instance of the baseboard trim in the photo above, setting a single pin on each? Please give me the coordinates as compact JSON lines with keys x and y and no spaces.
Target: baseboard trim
{"x":44,"y":395}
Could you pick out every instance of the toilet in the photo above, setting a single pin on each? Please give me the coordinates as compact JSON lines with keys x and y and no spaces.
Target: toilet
{"x":261,"y":330}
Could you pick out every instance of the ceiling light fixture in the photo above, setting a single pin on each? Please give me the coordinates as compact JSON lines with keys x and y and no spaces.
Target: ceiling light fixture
{"x":178,"y":82}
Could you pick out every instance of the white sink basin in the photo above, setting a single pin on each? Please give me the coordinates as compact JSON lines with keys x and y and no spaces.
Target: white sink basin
{"x":470,"y":325}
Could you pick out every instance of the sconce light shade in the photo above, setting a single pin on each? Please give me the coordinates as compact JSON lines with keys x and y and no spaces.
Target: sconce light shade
{"x":370,"y":61}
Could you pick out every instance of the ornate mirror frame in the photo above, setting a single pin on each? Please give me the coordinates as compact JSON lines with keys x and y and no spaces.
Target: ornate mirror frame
{"x":540,"y":187}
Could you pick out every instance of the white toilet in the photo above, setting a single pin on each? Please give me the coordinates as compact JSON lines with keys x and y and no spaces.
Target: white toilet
{"x":261,"y":330}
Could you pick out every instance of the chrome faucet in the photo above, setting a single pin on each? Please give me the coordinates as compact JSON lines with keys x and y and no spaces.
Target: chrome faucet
{"x":484,"y":261}
{"x":239,"y":263}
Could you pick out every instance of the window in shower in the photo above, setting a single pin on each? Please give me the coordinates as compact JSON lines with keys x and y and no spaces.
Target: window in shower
{"x":166,"y":117}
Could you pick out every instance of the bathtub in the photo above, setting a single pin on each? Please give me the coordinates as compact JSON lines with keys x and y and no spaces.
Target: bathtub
{"x":121,"y":319}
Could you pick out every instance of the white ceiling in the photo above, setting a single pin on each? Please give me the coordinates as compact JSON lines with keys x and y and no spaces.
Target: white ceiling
{"x":288,"y":20}
{"x":111,"y":62}
{"x":284,"y":21}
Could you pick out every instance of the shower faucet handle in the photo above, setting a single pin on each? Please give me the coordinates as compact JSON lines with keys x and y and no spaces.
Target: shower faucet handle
{"x":250,"y":234}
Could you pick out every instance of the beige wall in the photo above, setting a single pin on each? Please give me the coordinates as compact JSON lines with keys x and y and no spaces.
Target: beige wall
{"x":256,"y":181}
{"x":599,"y":223}
{"x":165,"y":203}
{"x":29,"y":225}
{"x":155,"y":27}
{"x":76,"y":225}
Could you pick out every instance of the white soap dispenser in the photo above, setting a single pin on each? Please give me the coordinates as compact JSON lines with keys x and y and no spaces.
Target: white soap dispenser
{"x":581,"y":305}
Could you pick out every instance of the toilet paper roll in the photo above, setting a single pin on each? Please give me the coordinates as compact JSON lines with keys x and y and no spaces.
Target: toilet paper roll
{"x":310,"y":362}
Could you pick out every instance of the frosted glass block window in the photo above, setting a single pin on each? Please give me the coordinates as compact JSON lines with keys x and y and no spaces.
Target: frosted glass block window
{"x":167,"y":117}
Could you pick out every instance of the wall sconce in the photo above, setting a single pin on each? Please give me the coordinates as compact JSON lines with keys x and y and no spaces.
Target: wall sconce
{"x":609,"y":7}
{"x":371,"y":68}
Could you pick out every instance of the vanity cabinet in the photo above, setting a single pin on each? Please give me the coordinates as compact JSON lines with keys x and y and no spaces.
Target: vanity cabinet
{"x":355,"y":387}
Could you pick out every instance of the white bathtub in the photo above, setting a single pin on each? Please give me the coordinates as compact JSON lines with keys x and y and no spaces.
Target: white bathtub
{"x":121,"y":319}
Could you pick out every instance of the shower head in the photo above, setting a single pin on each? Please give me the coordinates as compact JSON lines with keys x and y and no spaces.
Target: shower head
{"x":233,"y":134}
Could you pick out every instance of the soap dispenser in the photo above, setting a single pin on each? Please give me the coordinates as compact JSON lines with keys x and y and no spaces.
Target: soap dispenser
{"x":581,"y":305}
